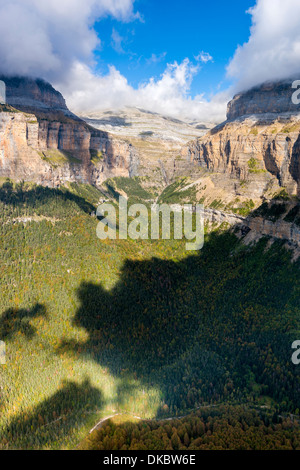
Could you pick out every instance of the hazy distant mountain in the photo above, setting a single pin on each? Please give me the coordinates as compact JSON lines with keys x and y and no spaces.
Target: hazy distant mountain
{"x":139,"y":123}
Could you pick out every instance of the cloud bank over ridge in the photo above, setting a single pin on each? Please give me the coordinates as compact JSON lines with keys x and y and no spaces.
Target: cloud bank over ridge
{"x":273,"y":49}
{"x":167,"y":95}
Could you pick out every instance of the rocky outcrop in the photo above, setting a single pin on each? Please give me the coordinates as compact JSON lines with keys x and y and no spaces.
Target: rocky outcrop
{"x":281,"y":230}
{"x":256,"y":227}
{"x":252,"y":227}
{"x":31,"y":95}
{"x":268,"y":98}
{"x":42,"y":141}
{"x":254,"y":145}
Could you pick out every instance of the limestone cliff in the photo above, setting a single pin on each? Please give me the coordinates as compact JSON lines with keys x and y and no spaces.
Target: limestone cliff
{"x":259,"y":144}
{"x":42,"y":141}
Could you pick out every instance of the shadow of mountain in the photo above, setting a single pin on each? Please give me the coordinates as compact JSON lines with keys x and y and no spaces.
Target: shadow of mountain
{"x":29,"y":197}
{"x":65,"y":411}
{"x":13,"y":321}
{"x":198,"y":330}
{"x":213,"y":327}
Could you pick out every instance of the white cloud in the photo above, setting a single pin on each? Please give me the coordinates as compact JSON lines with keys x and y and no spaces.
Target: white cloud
{"x":45,"y":38}
{"x":168,"y":95}
{"x":273,"y":49}
{"x":56,"y":40}
{"x":117,"y":41}
{"x":155,"y":59}
{"x":204,"y":57}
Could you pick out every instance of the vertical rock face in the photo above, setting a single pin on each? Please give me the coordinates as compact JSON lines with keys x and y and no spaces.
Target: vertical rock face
{"x":17,"y":158}
{"x":259,"y":141}
{"x":41,"y":140}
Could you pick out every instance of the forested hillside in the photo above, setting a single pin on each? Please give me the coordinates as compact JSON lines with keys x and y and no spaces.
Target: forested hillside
{"x":211,"y":428}
{"x":142,"y":327}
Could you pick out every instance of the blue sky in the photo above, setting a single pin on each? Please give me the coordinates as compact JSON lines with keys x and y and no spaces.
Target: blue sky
{"x":172,"y":30}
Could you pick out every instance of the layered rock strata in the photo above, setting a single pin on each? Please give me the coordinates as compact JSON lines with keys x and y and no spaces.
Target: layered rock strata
{"x":259,"y":140}
{"x":42,"y":141}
